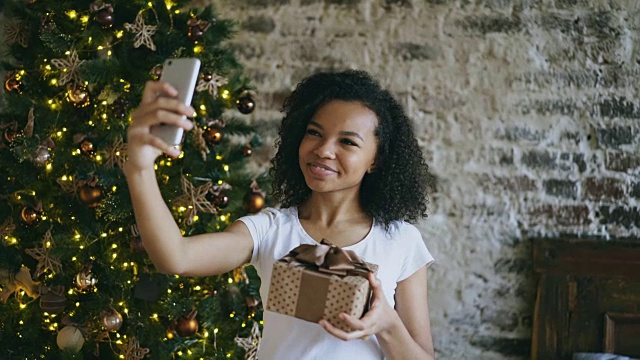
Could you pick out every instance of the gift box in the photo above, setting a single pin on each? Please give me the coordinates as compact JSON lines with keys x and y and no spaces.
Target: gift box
{"x":315,"y":282}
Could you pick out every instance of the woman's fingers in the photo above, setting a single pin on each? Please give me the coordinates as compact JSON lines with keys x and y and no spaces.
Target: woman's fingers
{"x":154,"y":89}
{"x":163,"y":110}
{"x":361,"y":328}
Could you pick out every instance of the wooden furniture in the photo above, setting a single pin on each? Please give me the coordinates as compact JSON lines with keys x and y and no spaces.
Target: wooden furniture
{"x":588,"y":298}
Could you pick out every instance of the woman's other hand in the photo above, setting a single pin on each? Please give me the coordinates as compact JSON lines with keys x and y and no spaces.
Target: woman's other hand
{"x":380,"y":317}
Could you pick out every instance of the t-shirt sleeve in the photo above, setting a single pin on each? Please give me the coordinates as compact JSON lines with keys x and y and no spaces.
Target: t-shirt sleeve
{"x":416,"y":253}
{"x":259,"y":225}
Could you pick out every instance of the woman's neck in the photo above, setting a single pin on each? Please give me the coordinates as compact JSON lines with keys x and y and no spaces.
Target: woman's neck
{"x":329,"y":210}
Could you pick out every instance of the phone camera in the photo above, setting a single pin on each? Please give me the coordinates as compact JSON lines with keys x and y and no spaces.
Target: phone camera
{"x":169,"y":62}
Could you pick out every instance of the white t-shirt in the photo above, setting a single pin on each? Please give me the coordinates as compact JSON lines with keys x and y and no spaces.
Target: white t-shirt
{"x":398,"y":254}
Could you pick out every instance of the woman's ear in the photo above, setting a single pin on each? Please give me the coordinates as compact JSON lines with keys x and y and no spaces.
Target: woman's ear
{"x":372,"y":168}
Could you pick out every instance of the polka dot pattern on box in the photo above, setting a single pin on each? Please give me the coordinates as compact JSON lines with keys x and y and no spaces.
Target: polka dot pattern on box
{"x":283,"y":292}
{"x":348,"y":295}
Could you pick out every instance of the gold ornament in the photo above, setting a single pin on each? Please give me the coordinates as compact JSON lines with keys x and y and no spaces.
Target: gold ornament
{"x":85,"y":280}
{"x":86,"y":147}
{"x":89,"y":193}
{"x":251,"y":344}
{"x":254,"y":200}
{"x":187,"y":325}
{"x":78,"y":95}
{"x":111,"y":320}
{"x":70,"y":338}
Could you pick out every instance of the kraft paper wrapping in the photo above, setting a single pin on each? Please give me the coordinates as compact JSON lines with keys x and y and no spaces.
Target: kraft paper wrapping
{"x":308,"y":292}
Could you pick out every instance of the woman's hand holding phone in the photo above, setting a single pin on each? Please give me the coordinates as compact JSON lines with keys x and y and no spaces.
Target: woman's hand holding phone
{"x":159,"y":105}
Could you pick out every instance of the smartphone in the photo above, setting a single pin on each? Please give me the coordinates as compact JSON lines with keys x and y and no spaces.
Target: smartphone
{"x":182,"y":74}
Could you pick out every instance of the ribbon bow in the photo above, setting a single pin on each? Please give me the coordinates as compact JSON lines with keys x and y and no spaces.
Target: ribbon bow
{"x":328,"y":258}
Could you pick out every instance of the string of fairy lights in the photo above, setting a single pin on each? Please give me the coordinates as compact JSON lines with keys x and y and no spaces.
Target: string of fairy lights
{"x":64,"y":73}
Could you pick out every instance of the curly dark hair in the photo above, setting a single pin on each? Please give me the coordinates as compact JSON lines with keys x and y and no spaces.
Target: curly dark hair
{"x":398,"y":187}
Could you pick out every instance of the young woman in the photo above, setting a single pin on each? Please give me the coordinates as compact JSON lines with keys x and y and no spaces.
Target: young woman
{"x":348,"y":169}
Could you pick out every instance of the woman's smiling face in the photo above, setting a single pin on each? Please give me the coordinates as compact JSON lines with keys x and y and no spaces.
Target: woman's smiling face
{"x":339,"y":147}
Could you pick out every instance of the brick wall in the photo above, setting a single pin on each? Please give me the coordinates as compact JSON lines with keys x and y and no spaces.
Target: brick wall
{"x":527,"y":111}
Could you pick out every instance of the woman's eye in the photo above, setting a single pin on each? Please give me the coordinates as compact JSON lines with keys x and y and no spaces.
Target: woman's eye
{"x":349,"y":142}
{"x":313,"y":132}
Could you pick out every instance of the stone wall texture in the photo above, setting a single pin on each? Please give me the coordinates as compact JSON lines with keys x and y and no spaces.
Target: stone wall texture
{"x":528,"y":114}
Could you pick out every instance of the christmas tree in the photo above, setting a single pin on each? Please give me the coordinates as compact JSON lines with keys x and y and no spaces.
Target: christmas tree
{"x":75,"y":281}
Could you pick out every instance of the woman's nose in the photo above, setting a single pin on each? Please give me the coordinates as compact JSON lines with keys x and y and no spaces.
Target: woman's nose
{"x":324,"y":149}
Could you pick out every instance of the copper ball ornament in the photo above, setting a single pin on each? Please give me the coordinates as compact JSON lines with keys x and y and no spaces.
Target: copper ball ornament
{"x":30,"y":216}
{"x":187,"y":325}
{"x":87,"y":147}
{"x":111,"y":320}
{"x":90,"y":195}
{"x":105,"y":17}
{"x":221,"y":200}
{"x":253,"y":202}
{"x":213,"y":135}
{"x":247,"y":151}
{"x":245,"y":103}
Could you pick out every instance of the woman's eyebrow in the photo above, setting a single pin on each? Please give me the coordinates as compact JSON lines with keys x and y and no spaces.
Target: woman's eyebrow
{"x":347,"y":133}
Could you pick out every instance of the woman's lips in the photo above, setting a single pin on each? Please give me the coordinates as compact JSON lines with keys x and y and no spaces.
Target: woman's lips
{"x":321,"y":169}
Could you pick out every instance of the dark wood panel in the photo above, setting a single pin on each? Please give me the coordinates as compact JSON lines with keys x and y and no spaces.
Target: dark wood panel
{"x":578,"y":283}
{"x":622,"y":334}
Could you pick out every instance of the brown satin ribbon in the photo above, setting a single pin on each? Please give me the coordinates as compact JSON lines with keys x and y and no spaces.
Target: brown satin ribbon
{"x":320,"y":262}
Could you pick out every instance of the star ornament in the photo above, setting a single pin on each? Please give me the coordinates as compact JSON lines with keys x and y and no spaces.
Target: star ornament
{"x":143,"y":33}
{"x":117,"y":153}
{"x":69,"y":67}
{"x":194,"y":199}
{"x":211,"y":83}
{"x":16,"y":33}
{"x":251,"y":344}
{"x":132,"y":350}
{"x":45,"y":260}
